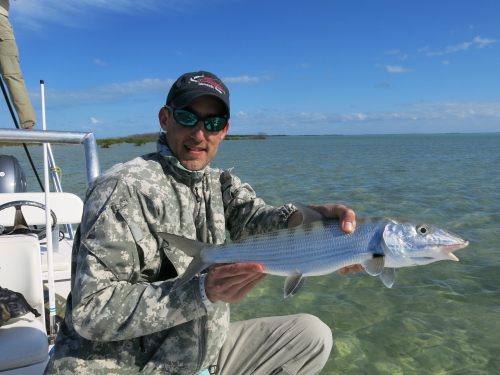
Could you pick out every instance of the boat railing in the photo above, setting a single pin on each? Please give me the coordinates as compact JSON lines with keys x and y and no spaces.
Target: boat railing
{"x":59,"y":137}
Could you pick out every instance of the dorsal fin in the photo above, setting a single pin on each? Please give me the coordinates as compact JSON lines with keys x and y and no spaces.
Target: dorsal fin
{"x":308,"y":214}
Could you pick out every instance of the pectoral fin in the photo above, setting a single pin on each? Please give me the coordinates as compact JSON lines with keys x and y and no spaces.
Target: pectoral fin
{"x":375,"y":265}
{"x":293,"y":283}
{"x":388,"y":275}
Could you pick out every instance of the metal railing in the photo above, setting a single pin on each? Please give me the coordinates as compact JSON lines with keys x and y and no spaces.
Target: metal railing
{"x":59,"y":137}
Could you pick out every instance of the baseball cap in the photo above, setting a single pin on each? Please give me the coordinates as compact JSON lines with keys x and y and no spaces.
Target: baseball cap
{"x":191,"y":85}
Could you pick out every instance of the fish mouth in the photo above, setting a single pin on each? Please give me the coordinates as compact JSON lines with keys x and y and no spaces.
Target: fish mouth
{"x":451,"y":248}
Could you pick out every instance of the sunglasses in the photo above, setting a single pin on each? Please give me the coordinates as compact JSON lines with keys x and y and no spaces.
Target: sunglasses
{"x":186,"y":118}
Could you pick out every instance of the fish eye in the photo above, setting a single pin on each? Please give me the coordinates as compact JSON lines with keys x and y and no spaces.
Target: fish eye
{"x":423,"y":229}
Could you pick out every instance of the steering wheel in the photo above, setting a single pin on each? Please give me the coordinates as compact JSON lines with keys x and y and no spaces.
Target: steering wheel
{"x":20,"y":225}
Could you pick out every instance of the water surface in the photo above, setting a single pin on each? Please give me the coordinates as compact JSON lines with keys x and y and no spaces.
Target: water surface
{"x":443,"y":318}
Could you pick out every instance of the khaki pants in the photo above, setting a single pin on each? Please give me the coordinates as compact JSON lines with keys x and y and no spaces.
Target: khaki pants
{"x":281,"y":345}
{"x":11,"y":73}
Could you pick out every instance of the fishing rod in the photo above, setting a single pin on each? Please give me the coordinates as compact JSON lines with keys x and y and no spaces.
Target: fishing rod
{"x":50,"y":256}
{"x":7,"y":100}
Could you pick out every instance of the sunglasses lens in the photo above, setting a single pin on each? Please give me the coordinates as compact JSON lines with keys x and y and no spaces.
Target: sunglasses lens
{"x":215,"y":124}
{"x":185,"y":118}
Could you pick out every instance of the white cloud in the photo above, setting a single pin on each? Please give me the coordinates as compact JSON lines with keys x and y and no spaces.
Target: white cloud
{"x":36,"y":12}
{"x":116,"y":91}
{"x":436,"y":113}
{"x":99,"y":62}
{"x":483,"y":42}
{"x":423,"y":49}
{"x":458,"y":47}
{"x":404,"y":57}
{"x":446,"y":62}
{"x":477,"y":41}
{"x":95,"y":121}
{"x":396,"y":69}
{"x":107,"y":92}
{"x":304,"y":65}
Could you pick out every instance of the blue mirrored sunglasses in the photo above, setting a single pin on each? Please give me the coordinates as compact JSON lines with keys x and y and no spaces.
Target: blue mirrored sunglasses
{"x":186,"y":118}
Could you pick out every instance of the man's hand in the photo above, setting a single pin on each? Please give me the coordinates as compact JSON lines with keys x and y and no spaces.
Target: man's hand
{"x":347,"y":219}
{"x":232,"y":282}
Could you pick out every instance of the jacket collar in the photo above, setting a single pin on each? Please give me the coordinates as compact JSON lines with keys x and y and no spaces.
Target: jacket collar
{"x":168,"y":160}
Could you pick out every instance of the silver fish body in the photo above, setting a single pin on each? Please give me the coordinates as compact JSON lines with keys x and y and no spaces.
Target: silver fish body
{"x":311,"y":250}
{"x":319,"y":247}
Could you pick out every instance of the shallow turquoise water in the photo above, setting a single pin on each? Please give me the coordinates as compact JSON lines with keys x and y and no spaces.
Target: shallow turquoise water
{"x":443,"y":318}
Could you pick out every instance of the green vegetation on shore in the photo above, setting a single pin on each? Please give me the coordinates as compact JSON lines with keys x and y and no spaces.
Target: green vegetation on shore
{"x":142,"y":139}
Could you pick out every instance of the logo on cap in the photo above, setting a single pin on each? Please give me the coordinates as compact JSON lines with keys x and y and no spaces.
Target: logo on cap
{"x":205,"y":81}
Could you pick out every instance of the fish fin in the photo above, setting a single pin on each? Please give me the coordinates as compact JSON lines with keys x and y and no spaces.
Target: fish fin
{"x":195,"y":267}
{"x":308,"y":214}
{"x":293,"y":283}
{"x":190,"y":247}
{"x":375,"y":265}
{"x":388,"y":276}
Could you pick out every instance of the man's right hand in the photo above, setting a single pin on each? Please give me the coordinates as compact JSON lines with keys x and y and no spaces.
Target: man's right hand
{"x":232,"y":282}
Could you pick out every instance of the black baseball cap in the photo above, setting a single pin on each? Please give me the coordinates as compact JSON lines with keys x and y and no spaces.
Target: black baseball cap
{"x":191,"y":85}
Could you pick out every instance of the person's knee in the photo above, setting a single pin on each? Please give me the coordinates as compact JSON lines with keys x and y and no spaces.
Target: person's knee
{"x":316,"y":331}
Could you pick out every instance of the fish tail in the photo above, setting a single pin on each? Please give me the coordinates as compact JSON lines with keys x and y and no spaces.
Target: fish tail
{"x":191,"y":248}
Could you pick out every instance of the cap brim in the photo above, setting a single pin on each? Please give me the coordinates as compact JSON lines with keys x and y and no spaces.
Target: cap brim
{"x":184,"y":99}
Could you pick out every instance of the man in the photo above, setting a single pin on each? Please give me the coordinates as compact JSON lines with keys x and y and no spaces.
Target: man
{"x":122,"y":317}
{"x":11,"y":71}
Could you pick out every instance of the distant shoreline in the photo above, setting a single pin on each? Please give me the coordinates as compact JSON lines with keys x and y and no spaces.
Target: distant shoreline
{"x":142,"y":139}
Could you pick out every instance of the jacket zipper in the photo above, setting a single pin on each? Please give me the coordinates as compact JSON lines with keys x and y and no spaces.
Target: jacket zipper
{"x":200,"y":235}
{"x":203,"y":346}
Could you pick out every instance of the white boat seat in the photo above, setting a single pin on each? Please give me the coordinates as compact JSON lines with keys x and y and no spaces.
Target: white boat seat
{"x":67,"y":207}
{"x":23,"y":346}
{"x":23,"y":340}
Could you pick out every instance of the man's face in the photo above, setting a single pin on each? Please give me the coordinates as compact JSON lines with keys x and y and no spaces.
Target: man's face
{"x":194,"y":146}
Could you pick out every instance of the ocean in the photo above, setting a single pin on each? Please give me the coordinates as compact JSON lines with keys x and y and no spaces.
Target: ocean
{"x":442,"y":318}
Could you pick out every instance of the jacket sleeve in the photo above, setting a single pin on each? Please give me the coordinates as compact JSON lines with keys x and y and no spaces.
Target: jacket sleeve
{"x":247,"y":215}
{"x":108,"y":301}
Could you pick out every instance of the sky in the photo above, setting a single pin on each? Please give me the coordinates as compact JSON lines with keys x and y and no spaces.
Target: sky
{"x":292,"y":67}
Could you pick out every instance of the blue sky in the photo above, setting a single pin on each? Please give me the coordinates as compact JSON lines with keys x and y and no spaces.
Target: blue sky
{"x":292,"y":67}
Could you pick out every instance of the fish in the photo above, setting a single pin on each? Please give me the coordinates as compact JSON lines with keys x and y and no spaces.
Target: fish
{"x":319,"y":246}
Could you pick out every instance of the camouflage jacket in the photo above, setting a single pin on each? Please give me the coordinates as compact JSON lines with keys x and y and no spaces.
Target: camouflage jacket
{"x":120,"y":317}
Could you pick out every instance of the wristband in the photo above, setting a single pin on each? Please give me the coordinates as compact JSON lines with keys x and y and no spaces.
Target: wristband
{"x":204,"y":298}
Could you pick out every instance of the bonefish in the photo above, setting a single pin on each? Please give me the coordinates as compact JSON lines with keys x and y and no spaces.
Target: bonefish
{"x":319,"y":247}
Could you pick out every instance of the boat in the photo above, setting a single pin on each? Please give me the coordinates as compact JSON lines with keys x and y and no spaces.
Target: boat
{"x":37,"y":262}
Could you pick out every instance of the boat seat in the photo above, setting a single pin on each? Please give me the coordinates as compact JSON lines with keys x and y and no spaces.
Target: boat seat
{"x":23,"y":340}
{"x":67,"y":207}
